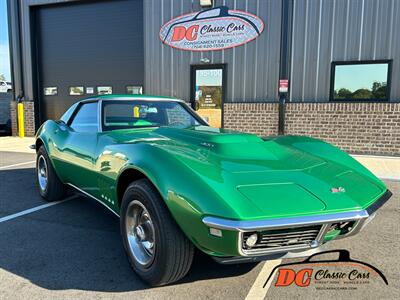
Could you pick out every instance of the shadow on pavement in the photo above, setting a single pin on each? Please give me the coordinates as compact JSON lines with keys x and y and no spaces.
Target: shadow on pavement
{"x":75,"y":244}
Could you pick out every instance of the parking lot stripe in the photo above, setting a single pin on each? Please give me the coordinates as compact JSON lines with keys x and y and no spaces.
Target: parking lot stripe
{"x":257,"y":291}
{"x":19,"y":164}
{"x":33,"y":209}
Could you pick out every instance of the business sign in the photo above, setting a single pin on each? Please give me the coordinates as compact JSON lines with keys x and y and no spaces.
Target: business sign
{"x":213,"y":29}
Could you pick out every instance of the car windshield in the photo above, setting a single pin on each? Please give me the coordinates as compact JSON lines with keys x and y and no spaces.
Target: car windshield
{"x":138,"y":114}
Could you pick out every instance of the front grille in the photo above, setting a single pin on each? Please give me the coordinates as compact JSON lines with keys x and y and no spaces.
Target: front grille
{"x":282,"y":239}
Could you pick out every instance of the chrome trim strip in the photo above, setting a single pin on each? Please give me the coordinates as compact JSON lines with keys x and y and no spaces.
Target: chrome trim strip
{"x":282,"y":255}
{"x":90,"y":196}
{"x":256,"y":225}
{"x":141,"y":99}
{"x":99,"y":116}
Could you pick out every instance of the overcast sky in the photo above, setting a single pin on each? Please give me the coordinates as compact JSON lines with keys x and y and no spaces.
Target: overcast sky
{"x":4,"y":51}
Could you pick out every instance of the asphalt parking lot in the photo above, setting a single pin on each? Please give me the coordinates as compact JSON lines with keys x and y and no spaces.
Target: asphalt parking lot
{"x":73,"y":250}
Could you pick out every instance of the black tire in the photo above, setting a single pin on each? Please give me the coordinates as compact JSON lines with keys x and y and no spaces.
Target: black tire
{"x":54,"y":189}
{"x":173,"y":254}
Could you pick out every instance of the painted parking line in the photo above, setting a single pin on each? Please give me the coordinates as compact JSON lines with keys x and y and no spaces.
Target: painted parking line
{"x":33,"y":209}
{"x":17,"y":165}
{"x":257,"y":291}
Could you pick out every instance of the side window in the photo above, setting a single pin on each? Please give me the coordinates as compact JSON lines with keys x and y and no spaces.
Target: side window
{"x":86,"y":119}
{"x":177,"y":115}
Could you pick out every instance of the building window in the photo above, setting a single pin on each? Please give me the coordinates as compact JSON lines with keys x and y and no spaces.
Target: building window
{"x":360,"y":81}
{"x":134,"y":89}
{"x":50,"y":91}
{"x":76,"y":90}
{"x":104,"y":90}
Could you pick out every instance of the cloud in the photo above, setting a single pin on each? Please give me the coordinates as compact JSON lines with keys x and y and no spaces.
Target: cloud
{"x":5,"y":60}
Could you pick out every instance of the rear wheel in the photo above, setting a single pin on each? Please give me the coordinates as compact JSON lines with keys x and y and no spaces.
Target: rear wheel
{"x":156,"y":248}
{"x":50,"y":186}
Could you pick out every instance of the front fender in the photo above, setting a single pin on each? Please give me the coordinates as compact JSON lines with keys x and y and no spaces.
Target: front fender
{"x":186,"y":195}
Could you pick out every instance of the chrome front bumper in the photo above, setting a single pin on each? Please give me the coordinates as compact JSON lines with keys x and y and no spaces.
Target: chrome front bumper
{"x":359,"y":218}
{"x":253,"y":259}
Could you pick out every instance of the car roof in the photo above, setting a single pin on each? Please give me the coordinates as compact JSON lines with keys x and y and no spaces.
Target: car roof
{"x":129,"y":97}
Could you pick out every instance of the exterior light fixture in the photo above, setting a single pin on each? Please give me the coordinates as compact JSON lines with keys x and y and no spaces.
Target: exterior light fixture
{"x":205,"y":60}
{"x":252,"y":240}
{"x":215,"y":232}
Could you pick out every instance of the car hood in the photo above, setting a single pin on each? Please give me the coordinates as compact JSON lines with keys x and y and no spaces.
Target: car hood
{"x":277,"y":177}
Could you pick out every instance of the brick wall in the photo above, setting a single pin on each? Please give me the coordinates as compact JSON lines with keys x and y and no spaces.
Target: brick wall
{"x":258,"y":118}
{"x":365,"y":128}
{"x":29,"y":118}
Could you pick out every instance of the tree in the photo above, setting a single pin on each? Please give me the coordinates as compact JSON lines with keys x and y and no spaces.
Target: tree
{"x":2,"y":77}
{"x":343,"y":94}
{"x":379,"y":90}
{"x":362,"y":94}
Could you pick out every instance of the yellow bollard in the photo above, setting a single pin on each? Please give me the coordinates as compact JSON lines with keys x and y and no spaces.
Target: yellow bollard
{"x":21,"y":129}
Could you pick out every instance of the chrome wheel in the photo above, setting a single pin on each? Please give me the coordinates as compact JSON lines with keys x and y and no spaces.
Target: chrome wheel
{"x":140,"y":233}
{"x":42,"y":172}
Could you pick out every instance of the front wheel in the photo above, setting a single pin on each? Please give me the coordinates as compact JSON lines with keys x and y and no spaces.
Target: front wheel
{"x":156,"y":248}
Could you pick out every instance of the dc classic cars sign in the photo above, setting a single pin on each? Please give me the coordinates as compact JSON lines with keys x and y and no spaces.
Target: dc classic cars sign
{"x":213,"y":29}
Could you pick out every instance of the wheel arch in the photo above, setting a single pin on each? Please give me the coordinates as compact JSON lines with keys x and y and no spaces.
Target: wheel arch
{"x":128,"y":176}
{"x":38,"y":143}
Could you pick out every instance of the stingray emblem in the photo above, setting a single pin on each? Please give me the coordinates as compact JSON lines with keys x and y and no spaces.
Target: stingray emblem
{"x":339,"y":189}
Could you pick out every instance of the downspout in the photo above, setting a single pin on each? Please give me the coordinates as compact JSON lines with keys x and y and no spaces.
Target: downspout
{"x":284,"y":60}
{"x":14,"y":35}
{"x":21,"y":67}
{"x":10,"y":47}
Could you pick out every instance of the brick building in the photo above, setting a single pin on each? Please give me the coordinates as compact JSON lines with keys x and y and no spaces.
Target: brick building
{"x":341,"y":60}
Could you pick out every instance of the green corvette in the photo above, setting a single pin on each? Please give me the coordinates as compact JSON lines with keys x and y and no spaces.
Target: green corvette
{"x":177,"y":184}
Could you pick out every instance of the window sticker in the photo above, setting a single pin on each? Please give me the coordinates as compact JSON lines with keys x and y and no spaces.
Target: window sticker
{"x":50,"y":91}
{"x":136,"y":113}
{"x":104,"y":90}
{"x":76,"y":90}
{"x":89,"y":90}
{"x":132,"y":89}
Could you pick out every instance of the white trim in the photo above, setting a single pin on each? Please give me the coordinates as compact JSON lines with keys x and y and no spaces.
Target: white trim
{"x":87,"y":194}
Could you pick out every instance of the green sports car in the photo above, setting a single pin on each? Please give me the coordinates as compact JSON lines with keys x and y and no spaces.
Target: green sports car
{"x":177,"y":184}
